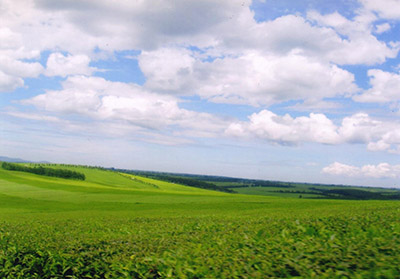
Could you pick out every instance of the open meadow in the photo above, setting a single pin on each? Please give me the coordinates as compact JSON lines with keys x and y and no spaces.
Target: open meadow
{"x":114,"y":225}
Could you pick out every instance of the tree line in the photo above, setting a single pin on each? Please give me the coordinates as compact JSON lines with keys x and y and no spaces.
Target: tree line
{"x":193,"y":183}
{"x":183,"y":180}
{"x":357,"y":194}
{"x":40,"y":170}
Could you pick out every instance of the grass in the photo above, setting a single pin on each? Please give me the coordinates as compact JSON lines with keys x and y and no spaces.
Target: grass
{"x":116,"y":225}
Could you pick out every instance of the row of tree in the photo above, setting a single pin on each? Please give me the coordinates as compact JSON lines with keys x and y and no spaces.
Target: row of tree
{"x":357,"y":194}
{"x":62,"y":173}
{"x":192,"y":182}
{"x":178,"y":179}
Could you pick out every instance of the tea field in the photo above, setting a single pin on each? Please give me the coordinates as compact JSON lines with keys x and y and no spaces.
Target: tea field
{"x":115,"y":225}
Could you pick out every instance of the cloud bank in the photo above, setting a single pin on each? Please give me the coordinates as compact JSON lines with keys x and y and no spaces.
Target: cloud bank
{"x":382,"y":170}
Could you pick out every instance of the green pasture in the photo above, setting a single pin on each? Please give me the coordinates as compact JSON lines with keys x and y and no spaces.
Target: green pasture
{"x":115,"y":225}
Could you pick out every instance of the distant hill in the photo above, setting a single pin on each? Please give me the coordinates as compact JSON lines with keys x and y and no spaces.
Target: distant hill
{"x":18,"y":160}
{"x":12,"y":160}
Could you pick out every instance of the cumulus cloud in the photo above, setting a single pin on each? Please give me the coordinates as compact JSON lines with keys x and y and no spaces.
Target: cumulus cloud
{"x":359,"y":45}
{"x":212,"y":49}
{"x":377,"y":134}
{"x":168,"y":69}
{"x":382,"y":28}
{"x":252,"y":78}
{"x":241,"y":60}
{"x":389,"y":9}
{"x":332,"y":37}
{"x":285,"y":129}
{"x":9,"y":83}
{"x":382,"y":170}
{"x":341,"y":169}
{"x":64,"y":65}
{"x":133,"y":24}
{"x":133,"y":105}
{"x":12,"y":73}
{"x":222,"y":26}
{"x":19,"y":68}
{"x":103,"y":100}
{"x":219,"y":26}
{"x":385,"y":87}
{"x":359,"y":128}
{"x":12,"y":53}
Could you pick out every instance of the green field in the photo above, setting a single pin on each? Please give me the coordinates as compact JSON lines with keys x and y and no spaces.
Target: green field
{"x":114,"y":225}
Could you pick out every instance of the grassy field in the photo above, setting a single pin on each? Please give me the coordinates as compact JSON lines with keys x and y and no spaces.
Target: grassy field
{"x":115,"y":225}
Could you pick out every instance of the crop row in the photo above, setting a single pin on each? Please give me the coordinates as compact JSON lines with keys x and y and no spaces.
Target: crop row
{"x":343,"y":246}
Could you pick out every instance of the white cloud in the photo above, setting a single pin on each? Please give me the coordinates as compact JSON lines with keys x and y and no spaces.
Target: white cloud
{"x":287,"y":130}
{"x":377,"y":134}
{"x":382,"y":170}
{"x":12,"y":72}
{"x":61,"y":65}
{"x":252,"y":78}
{"x":12,"y":51}
{"x":359,"y":45}
{"x":312,"y":105}
{"x":382,"y":28}
{"x":19,"y":68}
{"x":225,"y":26}
{"x":33,"y":116}
{"x":167,"y":69}
{"x":331,"y":38}
{"x":9,"y":83}
{"x":8,"y":39}
{"x":258,"y":63}
{"x":103,"y":100}
{"x":385,"y":87}
{"x":133,"y":24}
{"x":389,"y":9}
{"x":359,"y":128}
{"x":341,"y":169}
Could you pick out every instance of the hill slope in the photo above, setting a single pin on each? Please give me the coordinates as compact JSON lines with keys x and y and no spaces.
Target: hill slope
{"x":100,"y":186}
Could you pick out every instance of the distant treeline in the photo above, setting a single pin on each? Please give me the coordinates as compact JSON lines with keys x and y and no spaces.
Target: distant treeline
{"x":260,"y":183}
{"x":40,"y":170}
{"x":68,"y":165}
{"x":214,"y":180}
{"x":244,"y":182}
{"x":193,"y":183}
{"x":183,"y":180}
{"x":210,"y":179}
{"x":356,"y":194}
{"x":347,"y":194}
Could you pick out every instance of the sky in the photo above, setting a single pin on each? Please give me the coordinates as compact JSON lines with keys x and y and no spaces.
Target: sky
{"x":305,"y":91}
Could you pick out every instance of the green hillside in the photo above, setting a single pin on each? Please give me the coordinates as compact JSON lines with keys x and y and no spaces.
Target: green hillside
{"x":275,"y":188}
{"x":118,"y":225}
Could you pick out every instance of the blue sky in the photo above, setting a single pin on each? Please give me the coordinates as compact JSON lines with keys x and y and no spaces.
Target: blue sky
{"x":282,"y":90}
